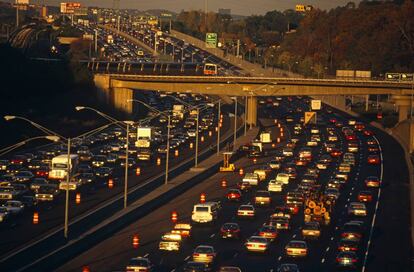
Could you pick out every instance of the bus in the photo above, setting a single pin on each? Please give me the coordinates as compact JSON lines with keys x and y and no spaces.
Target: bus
{"x":210,"y":69}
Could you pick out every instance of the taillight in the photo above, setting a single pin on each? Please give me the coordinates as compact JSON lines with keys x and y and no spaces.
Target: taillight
{"x":196,"y":254}
{"x":262,"y":246}
{"x":338,"y":260}
{"x":354,"y":260}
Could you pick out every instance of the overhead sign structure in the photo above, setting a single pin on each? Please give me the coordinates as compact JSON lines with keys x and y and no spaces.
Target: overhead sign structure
{"x":211,"y":40}
{"x":310,"y":117}
{"x":69,"y":8}
{"x":316,"y":104}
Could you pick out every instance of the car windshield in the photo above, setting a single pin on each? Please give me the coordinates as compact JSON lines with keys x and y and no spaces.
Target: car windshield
{"x":204,"y":250}
{"x":297,"y":245}
{"x":230,"y":226}
{"x":201,"y":209}
{"x":138,"y":262}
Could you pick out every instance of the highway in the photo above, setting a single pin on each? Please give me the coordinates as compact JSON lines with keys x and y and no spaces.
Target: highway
{"x":114,"y":253}
{"x":18,"y":232}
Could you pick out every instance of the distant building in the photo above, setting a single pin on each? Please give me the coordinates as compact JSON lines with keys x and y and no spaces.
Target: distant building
{"x":224,"y":11}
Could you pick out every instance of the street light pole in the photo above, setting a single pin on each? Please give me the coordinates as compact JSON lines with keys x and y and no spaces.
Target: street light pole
{"x":245,"y":115}
{"x":126,"y":168}
{"x":218,"y":127}
{"x":235,"y":121}
{"x":168,"y":149}
{"x":65,"y":231}
{"x":196,"y":147}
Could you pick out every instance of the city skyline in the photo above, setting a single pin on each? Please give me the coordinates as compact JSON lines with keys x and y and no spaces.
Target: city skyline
{"x":242,"y":7}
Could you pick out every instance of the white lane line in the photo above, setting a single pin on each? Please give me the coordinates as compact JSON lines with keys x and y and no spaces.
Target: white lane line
{"x":235,"y":255}
{"x":327,"y":249}
{"x":323,"y":260}
{"x":332,"y":236}
{"x":280,"y":257}
{"x":376,"y":207}
{"x":173,"y":270}
{"x":146,"y":255}
{"x":186,"y":258}
{"x":212,"y":235}
{"x":294,"y":236}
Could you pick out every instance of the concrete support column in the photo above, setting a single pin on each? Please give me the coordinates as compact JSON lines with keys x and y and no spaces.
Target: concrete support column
{"x":252,"y":111}
{"x":403,"y":103}
{"x":340,"y":102}
{"x":120,"y":97}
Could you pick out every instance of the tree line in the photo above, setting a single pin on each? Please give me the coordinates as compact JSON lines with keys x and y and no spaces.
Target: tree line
{"x":373,"y":35}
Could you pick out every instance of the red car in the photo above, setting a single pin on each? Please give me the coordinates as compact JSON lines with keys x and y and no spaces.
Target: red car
{"x":335,"y":153}
{"x":234,"y":195}
{"x":365,"y":196}
{"x":372,"y":181}
{"x":373,"y":159}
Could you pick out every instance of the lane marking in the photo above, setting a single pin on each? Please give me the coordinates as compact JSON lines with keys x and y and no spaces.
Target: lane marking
{"x":186,"y":258}
{"x":376,"y":207}
{"x":327,"y":249}
{"x":146,"y":255}
{"x":212,"y":235}
{"x":323,"y":260}
{"x":280,"y":257}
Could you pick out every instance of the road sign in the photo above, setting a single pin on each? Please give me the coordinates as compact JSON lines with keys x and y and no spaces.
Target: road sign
{"x":211,"y":40}
{"x":316,"y":104}
{"x":310,"y":117}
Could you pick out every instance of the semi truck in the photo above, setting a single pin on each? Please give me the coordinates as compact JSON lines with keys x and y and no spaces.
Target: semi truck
{"x":59,"y":166}
{"x":144,"y":137}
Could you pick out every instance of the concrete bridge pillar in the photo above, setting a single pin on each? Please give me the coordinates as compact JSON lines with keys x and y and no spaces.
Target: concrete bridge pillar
{"x":403,"y":103}
{"x":251,"y":111}
{"x":120,"y":97}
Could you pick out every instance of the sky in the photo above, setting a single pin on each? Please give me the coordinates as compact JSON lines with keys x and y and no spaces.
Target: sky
{"x":239,"y":7}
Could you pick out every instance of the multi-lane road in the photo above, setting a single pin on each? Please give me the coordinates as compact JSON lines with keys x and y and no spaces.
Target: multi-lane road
{"x":385,"y":243}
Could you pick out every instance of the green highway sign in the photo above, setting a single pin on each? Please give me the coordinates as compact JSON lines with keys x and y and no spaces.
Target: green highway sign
{"x":211,"y":40}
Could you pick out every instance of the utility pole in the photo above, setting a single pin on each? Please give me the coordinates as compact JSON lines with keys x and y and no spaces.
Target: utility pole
{"x":119,"y":21}
{"x":238,"y":48}
{"x":17,"y":15}
{"x":96,"y":41}
{"x":205,"y":13}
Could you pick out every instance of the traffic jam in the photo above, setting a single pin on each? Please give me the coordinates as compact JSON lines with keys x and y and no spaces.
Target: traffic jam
{"x":33,"y":181}
{"x":305,"y":200}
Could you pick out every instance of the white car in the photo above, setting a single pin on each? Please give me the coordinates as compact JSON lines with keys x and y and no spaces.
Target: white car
{"x":275,"y":186}
{"x":283,"y":177}
{"x":251,"y":178}
{"x":14,"y":206}
{"x":257,"y":244}
{"x":139,"y":264}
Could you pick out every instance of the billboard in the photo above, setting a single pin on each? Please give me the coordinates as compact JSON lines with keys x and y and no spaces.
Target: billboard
{"x":316,"y":104}
{"x":22,"y":2}
{"x":211,"y":40}
{"x":69,"y":8}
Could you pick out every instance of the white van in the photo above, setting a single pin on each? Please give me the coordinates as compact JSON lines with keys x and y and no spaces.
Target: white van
{"x":251,"y":178}
{"x":283,"y":177}
{"x":206,"y":212}
{"x":275,"y":186}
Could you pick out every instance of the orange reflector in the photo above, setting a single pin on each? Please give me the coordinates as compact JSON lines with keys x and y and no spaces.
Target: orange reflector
{"x":241,"y":172}
{"x":138,"y":171}
{"x":202,"y":198}
{"x":86,"y":269}
{"x":135,"y":241}
{"x":176,"y":152}
{"x":278,"y":140}
{"x":202,"y":139}
{"x":254,"y":160}
{"x":210,"y":133}
{"x":216,"y":129}
{"x":273,"y":145}
{"x":35,"y":218}
{"x":191,"y":145}
{"x":78,"y":198}
{"x":174,"y":217}
{"x":223,"y":183}
{"x":278,"y":125}
{"x":158,"y":161}
{"x":110,"y":183}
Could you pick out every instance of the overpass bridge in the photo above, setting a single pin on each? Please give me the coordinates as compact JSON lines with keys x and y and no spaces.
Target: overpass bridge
{"x":119,"y":87}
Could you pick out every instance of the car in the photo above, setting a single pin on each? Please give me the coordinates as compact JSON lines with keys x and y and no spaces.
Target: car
{"x":365,"y":196}
{"x":274,"y":164}
{"x":184,"y":229}
{"x":373,"y":159}
{"x":357,"y":209}
{"x":296,"y":248}
{"x":170,"y":242}
{"x":4,"y":214}
{"x":281,"y":212}
{"x":234,"y":195}
{"x":24,"y":176}
{"x":347,"y":259}
{"x":348,"y":245}
{"x":246,"y":211}
{"x":262,"y":198}
{"x":230,"y":230}
{"x":47,"y":192}
{"x":138,"y":264}
{"x":244,"y":186}
{"x":29,"y":201}
{"x":335,"y":153}
{"x":252,"y":178}
{"x":332,"y":193}
{"x":195,"y":267}
{"x":275,"y":186}
{"x":372,"y":181}
{"x":268,"y":232}
{"x":37,"y":182}
{"x":280,"y":223}
{"x":85,"y":178}
{"x":204,"y":254}
{"x":352,"y":230}
{"x":311,"y":230}
{"x":14,"y":207}
{"x":257,"y":244}
{"x":368,"y":132}
{"x":103,"y":172}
